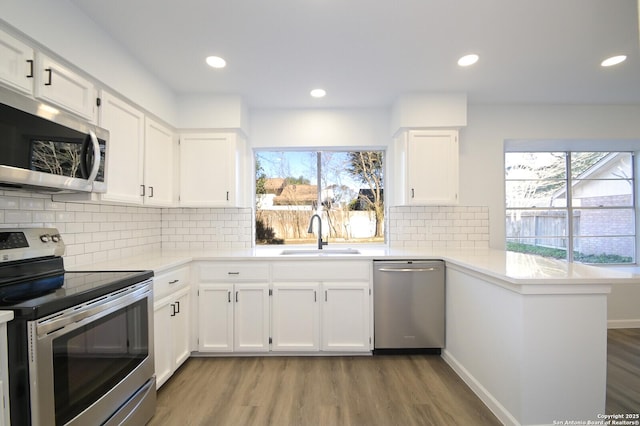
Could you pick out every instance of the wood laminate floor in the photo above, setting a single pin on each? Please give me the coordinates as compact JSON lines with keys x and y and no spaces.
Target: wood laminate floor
{"x":380,"y":390}
{"x":623,"y":371}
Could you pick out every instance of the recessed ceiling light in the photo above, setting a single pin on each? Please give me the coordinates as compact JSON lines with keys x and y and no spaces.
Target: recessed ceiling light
{"x":467,"y":60}
{"x":614,"y":60}
{"x":318,"y":93}
{"x":216,"y":62}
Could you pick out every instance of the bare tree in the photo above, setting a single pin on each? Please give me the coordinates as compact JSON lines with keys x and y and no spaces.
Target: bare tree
{"x":367,"y":167}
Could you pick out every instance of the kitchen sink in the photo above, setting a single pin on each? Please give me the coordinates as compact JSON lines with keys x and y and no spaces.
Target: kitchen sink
{"x":316,"y":252}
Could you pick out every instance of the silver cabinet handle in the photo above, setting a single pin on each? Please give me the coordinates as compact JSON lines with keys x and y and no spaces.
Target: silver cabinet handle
{"x":233,"y":273}
{"x":142,"y":191}
{"x":151,"y":192}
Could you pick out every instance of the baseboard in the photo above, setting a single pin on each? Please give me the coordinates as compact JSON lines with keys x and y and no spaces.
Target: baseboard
{"x":632,"y":323}
{"x":493,"y":404}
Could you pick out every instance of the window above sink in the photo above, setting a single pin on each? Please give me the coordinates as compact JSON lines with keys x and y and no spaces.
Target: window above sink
{"x":345,"y":188}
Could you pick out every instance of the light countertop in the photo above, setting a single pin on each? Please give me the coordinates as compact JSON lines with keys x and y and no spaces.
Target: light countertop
{"x":5,"y":316}
{"x":510,"y":269}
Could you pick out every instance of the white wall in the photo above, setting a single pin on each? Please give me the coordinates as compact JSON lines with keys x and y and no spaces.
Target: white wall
{"x":482,"y":142}
{"x":208,"y":111}
{"x":62,"y":28}
{"x":312,"y":128}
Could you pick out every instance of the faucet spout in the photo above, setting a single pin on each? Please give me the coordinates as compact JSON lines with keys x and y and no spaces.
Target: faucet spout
{"x":310,"y":230}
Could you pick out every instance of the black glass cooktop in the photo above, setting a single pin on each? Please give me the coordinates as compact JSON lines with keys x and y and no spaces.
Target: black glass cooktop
{"x":42,"y":295}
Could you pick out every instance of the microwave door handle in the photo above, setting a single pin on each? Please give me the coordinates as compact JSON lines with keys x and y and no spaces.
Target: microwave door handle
{"x":96,"y":157}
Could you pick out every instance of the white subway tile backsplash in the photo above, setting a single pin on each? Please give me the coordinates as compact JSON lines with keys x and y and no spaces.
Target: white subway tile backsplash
{"x":94,"y":232}
{"x":438,"y":226}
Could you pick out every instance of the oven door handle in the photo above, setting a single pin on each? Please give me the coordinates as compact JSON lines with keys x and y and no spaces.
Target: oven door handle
{"x":94,"y":308}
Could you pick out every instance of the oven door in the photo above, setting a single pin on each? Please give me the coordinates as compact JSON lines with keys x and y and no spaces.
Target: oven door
{"x":88,"y":361}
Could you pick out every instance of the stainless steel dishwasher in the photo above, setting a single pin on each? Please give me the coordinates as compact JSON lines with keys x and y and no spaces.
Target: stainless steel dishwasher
{"x":409,"y":306}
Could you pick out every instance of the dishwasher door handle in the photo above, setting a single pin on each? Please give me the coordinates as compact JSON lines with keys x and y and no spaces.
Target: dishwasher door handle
{"x":407,"y":269}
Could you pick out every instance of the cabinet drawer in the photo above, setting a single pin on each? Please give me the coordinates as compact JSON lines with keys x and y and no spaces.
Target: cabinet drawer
{"x":233,"y":271}
{"x":169,"y":281}
{"x":322,"y":270}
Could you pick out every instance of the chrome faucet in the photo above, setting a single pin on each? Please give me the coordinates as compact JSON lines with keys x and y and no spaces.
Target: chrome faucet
{"x":310,"y":230}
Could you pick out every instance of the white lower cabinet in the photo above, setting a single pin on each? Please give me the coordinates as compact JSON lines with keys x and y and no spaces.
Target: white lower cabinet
{"x":284,"y":306}
{"x":233,"y":306}
{"x":295,"y":317}
{"x":322,"y":306}
{"x":233,"y":317}
{"x":346,"y":313}
{"x":172,"y":322}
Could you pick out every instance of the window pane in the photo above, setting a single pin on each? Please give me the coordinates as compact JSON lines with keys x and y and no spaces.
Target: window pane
{"x":536,"y":223}
{"x":604,"y":249}
{"x":604,"y":222}
{"x":602,"y":205}
{"x":535,"y":179}
{"x":535,"y":193}
{"x":601,"y":165}
{"x":349,"y":196}
{"x":555,"y":249}
{"x":535,"y":165}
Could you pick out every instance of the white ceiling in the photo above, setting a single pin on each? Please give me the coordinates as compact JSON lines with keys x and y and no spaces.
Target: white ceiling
{"x":365,"y":53}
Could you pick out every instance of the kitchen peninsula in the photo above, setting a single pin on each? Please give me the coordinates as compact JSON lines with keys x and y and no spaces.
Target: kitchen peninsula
{"x":526,"y":333}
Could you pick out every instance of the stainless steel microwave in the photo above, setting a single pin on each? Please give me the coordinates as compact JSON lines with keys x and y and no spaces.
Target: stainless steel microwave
{"x":44,"y":148}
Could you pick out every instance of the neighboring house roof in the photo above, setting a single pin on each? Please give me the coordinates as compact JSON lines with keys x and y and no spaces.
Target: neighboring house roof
{"x":605,"y":168}
{"x":297,"y":195}
{"x":274,"y":185}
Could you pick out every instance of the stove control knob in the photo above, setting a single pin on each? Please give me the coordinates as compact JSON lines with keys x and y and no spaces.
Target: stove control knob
{"x":55,"y":238}
{"x":44,"y":238}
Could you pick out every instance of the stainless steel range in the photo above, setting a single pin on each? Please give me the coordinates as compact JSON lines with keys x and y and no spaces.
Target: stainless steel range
{"x":81,"y":343}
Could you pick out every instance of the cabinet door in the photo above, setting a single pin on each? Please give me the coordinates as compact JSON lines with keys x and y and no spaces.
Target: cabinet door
{"x":207,"y":170}
{"x":346,"y":324}
{"x":295,"y":317}
{"x":251,"y":317}
{"x":215,"y":315}
{"x":62,"y":87}
{"x":181,"y":327}
{"x":162,"y":341}
{"x":159,"y":151}
{"x":432,"y":167}
{"x":16,"y":64}
{"x":124,"y":151}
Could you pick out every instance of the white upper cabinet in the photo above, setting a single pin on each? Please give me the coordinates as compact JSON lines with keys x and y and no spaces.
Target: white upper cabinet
{"x":16,"y":64}
{"x":64,"y":88}
{"x":125,"y":150}
{"x":428,"y":165}
{"x":159,"y":155}
{"x":208,"y":169}
{"x":141,"y":155}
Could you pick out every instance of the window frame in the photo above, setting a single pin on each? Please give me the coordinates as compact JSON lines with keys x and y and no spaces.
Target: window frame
{"x":568,"y":149}
{"x":318,"y":207}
